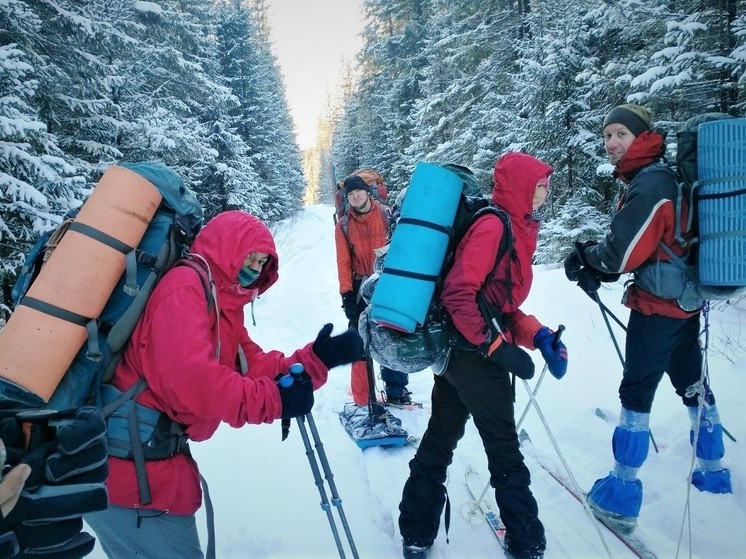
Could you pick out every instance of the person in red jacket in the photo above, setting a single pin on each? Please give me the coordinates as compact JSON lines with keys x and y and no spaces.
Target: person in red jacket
{"x":202,"y":369}
{"x":477,"y":380}
{"x":662,"y":333}
{"x":363,"y":229}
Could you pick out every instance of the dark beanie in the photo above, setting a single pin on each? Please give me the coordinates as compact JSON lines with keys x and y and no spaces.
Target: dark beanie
{"x":637,"y":119}
{"x":353,"y":182}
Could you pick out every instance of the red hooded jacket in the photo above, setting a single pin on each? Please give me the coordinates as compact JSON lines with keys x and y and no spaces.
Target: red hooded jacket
{"x":516,"y":175}
{"x":174,"y":347}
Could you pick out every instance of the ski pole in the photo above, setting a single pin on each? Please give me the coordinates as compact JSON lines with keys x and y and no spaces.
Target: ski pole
{"x":618,"y":351}
{"x":287,"y":380}
{"x":557,"y":336}
{"x":608,"y":326}
{"x":336,"y":500}
{"x":565,"y":464}
{"x":319,"y":484}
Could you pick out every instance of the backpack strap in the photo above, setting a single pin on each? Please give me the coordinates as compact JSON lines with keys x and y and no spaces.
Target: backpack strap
{"x":662,"y":165}
{"x":198,"y":263}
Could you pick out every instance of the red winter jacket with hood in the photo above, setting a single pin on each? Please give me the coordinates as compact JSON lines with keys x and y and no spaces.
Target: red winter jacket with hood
{"x":174,"y":346}
{"x":516,"y":175}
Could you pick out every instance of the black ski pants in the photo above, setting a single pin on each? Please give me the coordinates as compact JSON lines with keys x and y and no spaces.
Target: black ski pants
{"x":471,"y":385}
{"x":656,"y":345}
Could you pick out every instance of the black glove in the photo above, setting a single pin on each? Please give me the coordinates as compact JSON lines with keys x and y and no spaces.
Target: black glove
{"x":68,"y":464}
{"x":509,"y":357}
{"x":572,"y":266}
{"x":576,"y":259}
{"x":349,"y":304}
{"x":338,"y":350}
{"x":589,"y":280}
{"x":297,"y":399}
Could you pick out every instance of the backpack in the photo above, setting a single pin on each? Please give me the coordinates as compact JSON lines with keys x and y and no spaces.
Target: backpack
{"x":380,"y":193}
{"x":430,"y":344}
{"x":164,"y":244}
{"x":711,"y":181}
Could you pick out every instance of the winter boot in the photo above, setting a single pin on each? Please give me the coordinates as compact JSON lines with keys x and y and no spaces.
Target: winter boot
{"x":403,"y":399}
{"x":709,"y":475}
{"x":512,"y":553}
{"x":415,"y":552}
{"x":617,"y":498}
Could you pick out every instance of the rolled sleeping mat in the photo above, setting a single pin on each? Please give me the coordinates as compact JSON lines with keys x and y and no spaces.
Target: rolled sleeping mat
{"x":721,"y":206}
{"x":48,"y":328}
{"x":417,"y":249}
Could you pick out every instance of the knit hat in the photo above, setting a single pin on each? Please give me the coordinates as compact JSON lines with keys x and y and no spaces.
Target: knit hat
{"x":354,"y":182}
{"x":636,"y":118}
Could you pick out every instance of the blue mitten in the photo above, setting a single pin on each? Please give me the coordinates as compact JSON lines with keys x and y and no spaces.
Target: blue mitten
{"x":552,"y":350}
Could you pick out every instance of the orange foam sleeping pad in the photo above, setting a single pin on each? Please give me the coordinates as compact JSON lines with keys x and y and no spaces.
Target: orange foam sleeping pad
{"x":36,"y":348}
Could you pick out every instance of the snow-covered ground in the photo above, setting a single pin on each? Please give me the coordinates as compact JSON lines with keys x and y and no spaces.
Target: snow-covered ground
{"x":267,"y":505}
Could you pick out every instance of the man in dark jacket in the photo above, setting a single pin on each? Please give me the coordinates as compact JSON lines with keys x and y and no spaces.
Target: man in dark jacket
{"x":662,"y":333}
{"x":477,"y":380}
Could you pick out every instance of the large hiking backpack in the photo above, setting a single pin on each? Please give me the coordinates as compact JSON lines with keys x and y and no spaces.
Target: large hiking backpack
{"x":711,"y":176}
{"x":429,"y":343}
{"x":133,"y":431}
{"x":166,"y":239}
{"x":380,"y":193}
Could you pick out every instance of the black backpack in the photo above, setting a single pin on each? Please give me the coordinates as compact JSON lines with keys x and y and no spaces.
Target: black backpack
{"x":431,"y":343}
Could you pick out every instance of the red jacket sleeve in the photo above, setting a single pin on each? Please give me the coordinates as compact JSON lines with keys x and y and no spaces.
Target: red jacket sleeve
{"x":344,"y":260}
{"x":269,"y":363}
{"x":474,"y":259}
{"x":185,"y":378}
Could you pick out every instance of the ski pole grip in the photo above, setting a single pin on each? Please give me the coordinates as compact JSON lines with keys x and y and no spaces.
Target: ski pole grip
{"x":295,"y":370}
{"x":558,"y":335}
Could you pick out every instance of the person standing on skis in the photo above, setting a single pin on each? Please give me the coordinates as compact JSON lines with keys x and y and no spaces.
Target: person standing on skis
{"x":662,"y":335}
{"x":477,"y":380}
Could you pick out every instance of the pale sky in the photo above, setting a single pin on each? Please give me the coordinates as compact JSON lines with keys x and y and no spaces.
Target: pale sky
{"x":311,"y":39}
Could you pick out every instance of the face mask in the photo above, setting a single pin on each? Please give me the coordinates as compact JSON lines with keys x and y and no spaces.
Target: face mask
{"x":247,"y":276}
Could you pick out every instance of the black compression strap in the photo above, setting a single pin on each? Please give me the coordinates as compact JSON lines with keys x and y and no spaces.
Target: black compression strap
{"x":430,"y":225}
{"x":730,"y":194}
{"x":407,"y":274}
{"x":55,"y":311}
{"x":101,"y":237}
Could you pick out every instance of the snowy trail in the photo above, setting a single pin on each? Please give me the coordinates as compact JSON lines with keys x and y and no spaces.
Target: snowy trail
{"x":267,"y":505}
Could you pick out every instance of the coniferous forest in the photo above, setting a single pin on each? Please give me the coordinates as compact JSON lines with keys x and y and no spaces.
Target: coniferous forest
{"x":194,"y":83}
{"x":464,"y":82}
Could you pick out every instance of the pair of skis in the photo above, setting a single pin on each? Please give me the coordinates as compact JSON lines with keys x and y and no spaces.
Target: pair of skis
{"x":482,"y":507}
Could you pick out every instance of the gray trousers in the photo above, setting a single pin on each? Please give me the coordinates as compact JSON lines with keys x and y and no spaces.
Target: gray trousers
{"x":158,"y":536}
